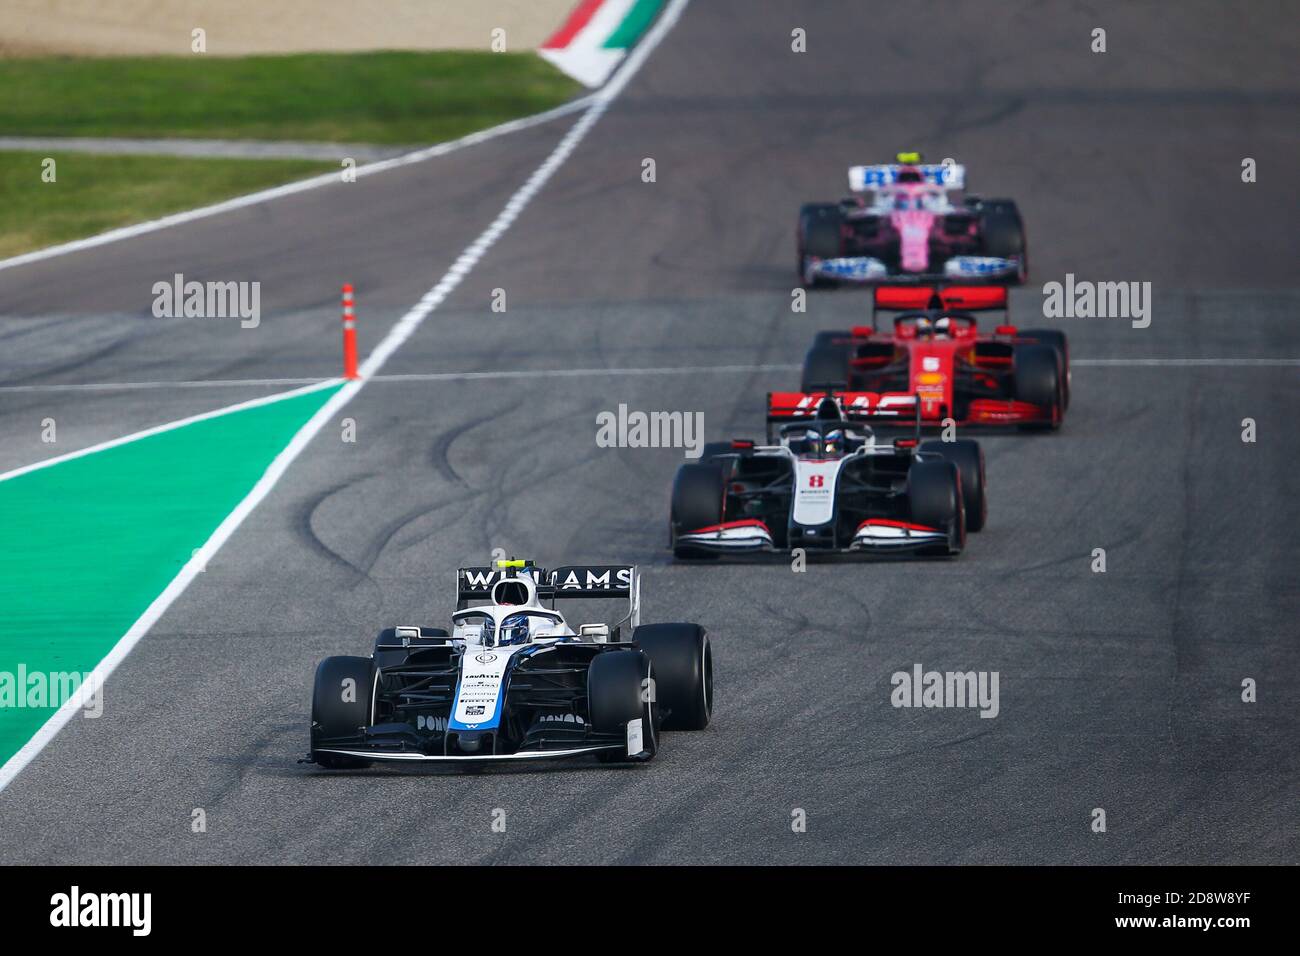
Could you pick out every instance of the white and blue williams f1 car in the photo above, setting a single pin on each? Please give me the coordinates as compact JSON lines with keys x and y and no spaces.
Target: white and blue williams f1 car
{"x":513,"y":680}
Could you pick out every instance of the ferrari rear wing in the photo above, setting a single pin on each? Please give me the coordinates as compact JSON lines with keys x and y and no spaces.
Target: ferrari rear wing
{"x":891,"y":408}
{"x":923,"y":298}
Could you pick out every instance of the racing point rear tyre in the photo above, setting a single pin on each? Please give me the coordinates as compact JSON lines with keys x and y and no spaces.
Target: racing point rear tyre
{"x":934,"y":496}
{"x":1002,"y":232}
{"x":825,"y":366}
{"x":697,"y":502}
{"x":619,"y":689}
{"x":968,"y":456}
{"x":683,"y":668}
{"x":819,"y":235}
{"x":1056,"y":339}
{"x":340,"y":708}
{"x":1038,"y":380}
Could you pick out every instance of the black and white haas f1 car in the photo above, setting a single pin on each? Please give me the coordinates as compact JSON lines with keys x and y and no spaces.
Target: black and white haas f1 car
{"x":826,"y":484}
{"x":513,"y":680}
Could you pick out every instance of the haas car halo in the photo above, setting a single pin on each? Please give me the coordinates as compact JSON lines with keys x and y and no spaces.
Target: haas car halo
{"x":826,"y":484}
{"x":513,"y":680}
{"x":901,"y":225}
{"x":936,"y":351}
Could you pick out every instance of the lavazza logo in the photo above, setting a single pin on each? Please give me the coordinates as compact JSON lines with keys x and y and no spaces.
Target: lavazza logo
{"x":75,"y":909}
{"x":179,"y":299}
{"x":1080,"y":299}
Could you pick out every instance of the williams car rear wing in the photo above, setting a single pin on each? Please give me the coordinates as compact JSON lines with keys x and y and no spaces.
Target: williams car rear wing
{"x":593,"y":581}
{"x":867,"y":408}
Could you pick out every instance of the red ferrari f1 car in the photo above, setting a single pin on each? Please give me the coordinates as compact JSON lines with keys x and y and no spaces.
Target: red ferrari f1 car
{"x":936,"y":351}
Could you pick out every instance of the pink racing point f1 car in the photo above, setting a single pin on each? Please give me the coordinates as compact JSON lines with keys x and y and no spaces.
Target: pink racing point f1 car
{"x":903,"y":224}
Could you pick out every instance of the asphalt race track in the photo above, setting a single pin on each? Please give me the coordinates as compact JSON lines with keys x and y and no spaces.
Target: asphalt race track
{"x":1118,"y":690}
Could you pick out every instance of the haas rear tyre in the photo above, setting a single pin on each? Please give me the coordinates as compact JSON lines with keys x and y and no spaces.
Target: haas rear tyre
{"x":825,"y":366}
{"x":1037,"y":373}
{"x":620,"y":689}
{"x":340,"y":706}
{"x":934,"y":495}
{"x":967,"y":455}
{"x":683,"y":668}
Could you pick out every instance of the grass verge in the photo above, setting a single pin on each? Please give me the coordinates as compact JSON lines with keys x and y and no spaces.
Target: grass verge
{"x":383,"y":98}
{"x":93,"y":194}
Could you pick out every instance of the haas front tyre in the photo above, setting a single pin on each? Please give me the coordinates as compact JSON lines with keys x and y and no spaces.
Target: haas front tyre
{"x":697,"y":502}
{"x":934,"y":496}
{"x":967,"y":455}
{"x":683,"y":667}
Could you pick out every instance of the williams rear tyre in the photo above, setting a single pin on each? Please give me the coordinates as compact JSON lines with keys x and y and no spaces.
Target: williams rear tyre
{"x":683,"y":668}
{"x":968,"y":456}
{"x":340,"y":706}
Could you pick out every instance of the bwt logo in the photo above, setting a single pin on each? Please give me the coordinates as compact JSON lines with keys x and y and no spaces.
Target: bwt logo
{"x":208,"y":300}
{"x":74,"y":908}
{"x":633,"y":429}
{"x":1098,"y":300}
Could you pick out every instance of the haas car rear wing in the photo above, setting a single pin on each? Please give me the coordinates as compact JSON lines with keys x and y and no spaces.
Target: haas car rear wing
{"x":570,"y":581}
{"x":866,"y":408}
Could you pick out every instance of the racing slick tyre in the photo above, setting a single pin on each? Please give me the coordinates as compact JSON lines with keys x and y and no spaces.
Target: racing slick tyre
{"x":839,"y":337}
{"x":620,"y":688}
{"x":934,"y":496}
{"x":698,"y":492}
{"x":1002,"y":232}
{"x":1038,"y":379}
{"x":683,"y":668}
{"x":1056,"y":339}
{"x":968,"y":456}
{"x":819,"y":235}
{"x":340,"y":706}
{"x":825,"y":366}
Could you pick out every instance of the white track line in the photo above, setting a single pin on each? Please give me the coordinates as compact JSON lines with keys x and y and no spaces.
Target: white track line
{"x":598,"y":372}
{"x":600,"y":102}
{"x":276,"y":192}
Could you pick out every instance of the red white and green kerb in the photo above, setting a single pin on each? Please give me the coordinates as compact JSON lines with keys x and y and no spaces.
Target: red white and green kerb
{"x":596,"y":37}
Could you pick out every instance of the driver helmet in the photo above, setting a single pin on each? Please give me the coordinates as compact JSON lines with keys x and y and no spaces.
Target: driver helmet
{"x":832,"y":445}
{"x":943,"y":326}
{"x":513,"y":630}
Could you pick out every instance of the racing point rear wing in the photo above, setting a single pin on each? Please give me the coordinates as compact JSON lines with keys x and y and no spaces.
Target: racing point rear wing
{"x":897,"y":409}
{"x":595,"y":581}
{"x":923,"y":298}
{"x":947,"y":175}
